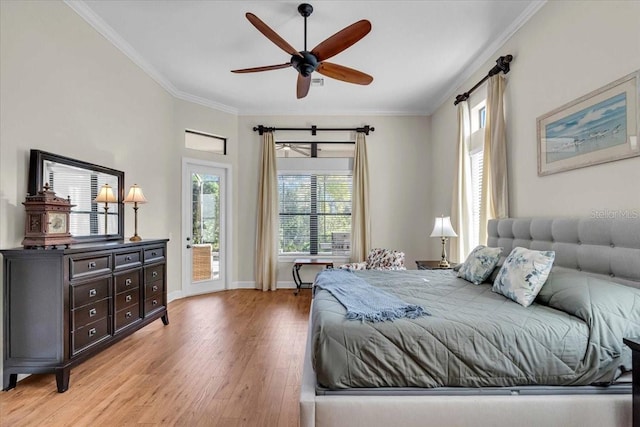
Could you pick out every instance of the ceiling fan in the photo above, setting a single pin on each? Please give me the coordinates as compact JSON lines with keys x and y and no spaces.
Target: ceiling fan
{"x":304,"y":149}
{"x":306,"y":62}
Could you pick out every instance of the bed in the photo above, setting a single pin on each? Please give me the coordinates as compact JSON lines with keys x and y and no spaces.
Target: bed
{"x":563,"y":393}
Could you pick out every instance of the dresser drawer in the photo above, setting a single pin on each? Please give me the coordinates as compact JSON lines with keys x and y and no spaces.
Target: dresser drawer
{"x":83,"y":267}
{"x":153,"y":254}
{"x":90,"y":292}
{"x":152,"y":304}
{"x":90,"y":313}
{"x":153,"y":273}
{"x":127,"y":280}
{"x":128,"y":259}
{"x":153,"y":289}
{"x":92,"y":333}
{"x":126,"y":299}
{"x":127,"y":316}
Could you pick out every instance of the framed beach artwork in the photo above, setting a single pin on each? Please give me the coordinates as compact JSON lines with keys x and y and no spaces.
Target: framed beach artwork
{"x":599,"y":127}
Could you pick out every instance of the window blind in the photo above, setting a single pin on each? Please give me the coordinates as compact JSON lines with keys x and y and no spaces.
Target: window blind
{"x":312,"y":208}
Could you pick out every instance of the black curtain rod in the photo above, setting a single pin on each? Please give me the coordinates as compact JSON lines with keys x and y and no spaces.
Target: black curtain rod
{"x":314,"y":142}
{"x":502,"y":64}
{"x":313,"y":129}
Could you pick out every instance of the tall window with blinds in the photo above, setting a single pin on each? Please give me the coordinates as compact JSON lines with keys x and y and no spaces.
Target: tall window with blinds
{"x":315,"y":210}
{"x":476,"y":152}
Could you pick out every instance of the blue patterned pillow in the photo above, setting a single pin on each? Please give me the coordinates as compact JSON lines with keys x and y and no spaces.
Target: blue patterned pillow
{"x":523,"y":274}
{"x":479,"y":264}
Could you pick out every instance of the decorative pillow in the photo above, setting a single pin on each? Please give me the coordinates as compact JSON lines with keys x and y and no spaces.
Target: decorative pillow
{"x":354,"y":266}
{"x":384,"y":259}
{"x":479,"y":264}
{"x":523,"y":274}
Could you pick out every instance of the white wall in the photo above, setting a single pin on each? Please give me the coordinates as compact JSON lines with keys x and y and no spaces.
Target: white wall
{"x":397,"y":152}
{"x":566,"y":50}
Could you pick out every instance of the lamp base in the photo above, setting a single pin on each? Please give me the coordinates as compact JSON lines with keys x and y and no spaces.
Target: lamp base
{"x":444,"y":264}
{"x":135,"y":238}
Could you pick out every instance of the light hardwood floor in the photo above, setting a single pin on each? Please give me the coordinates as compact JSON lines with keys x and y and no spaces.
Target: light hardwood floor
{"x":226,"y":359}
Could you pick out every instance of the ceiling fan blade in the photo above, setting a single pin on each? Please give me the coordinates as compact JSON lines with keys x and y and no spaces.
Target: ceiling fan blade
{"x":271,"y":35}
{"x":303,"y":86}
{"x":300,"y":151}
{"x":341,"y":40}
{"x":265,"y":68}
{"x":346,"y":74}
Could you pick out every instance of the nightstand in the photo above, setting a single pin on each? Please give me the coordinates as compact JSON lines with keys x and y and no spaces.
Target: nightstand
{"x":634,"y":345}
{"x":431,"y":265}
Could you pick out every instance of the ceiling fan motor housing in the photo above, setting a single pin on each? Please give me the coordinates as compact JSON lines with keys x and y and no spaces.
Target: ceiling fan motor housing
{"x":306,"y":64}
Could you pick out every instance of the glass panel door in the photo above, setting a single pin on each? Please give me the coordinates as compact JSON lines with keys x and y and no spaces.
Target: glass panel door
{"x":203,"y":231}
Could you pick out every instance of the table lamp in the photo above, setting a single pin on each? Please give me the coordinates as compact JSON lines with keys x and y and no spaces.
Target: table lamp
{"x":106,"y":196}
{"x":135,"y":196}
{"x":443,"y":229}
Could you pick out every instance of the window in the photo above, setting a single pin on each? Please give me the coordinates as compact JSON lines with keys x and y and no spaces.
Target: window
{"x":205,"y":142}
{"x":476,"y":152}
{"x":314,"y":208}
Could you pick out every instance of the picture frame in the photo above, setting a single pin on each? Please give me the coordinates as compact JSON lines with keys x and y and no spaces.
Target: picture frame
{"x":602,"y":126}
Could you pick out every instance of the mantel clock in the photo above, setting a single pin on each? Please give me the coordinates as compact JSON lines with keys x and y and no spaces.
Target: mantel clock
{"x":47,"y":220}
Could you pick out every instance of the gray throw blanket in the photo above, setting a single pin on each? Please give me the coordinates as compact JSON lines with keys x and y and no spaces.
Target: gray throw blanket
{"x":363,"y":301}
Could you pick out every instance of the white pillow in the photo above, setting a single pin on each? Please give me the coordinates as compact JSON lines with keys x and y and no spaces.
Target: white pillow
{"x":523,"y":274}
{"x":479,"y":264}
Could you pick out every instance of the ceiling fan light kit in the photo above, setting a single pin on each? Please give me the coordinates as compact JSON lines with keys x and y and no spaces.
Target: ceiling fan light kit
{"x":306,"y":62}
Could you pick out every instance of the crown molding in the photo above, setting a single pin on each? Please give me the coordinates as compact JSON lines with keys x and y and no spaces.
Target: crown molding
{"x":322,"y":112}
{"x":86,"y":13}
{"x":488,"y":54}
{"x":205,"y":102}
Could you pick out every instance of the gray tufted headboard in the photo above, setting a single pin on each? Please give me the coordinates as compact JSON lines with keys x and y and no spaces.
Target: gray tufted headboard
{"x":605,"y":248}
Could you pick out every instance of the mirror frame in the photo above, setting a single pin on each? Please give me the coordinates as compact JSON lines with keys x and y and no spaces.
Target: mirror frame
{"x":36,"y":172}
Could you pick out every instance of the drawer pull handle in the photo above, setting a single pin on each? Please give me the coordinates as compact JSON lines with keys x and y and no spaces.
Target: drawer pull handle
{"x":127,"y":282}
{"x":92,"y":332}
{"x":154,"y":274}
{"x":154,"y":302}
{"x":127,"y":258}
{"x":92,"y":264}
{"x":127,"y":298}
{"x":93,"y":312}
{"x":154,"y":253}
{"x":92,"y":293}
{"x":154,"y":288}
{"x":128,"y":314}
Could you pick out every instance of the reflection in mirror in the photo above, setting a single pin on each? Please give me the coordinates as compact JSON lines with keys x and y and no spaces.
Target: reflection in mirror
{"x":81,"y":182}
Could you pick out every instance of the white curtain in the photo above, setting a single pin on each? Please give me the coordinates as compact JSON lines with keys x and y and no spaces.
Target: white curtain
{"x":360,"y":221}
{"x":462,"y":199}
{"x":494,"y":202}
{"x":268,"y":221}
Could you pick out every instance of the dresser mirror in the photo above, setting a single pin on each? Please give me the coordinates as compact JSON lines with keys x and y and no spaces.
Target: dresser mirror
{"x":81,"y":182}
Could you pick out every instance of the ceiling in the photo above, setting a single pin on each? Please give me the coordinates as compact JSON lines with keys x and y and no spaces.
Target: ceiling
{"x":418,"y":52}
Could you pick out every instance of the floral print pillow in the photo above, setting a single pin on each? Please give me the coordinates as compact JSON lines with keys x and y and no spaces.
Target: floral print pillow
{"x":523,"y":274}
{"x":354,"y":266}
{"x":385,"y":259}
{"x":479,"y":264}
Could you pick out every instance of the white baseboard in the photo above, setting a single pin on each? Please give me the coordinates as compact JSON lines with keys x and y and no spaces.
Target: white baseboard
{"x":243,"y":285}
{"x":174,"y":296}
{"x":286,"y":285}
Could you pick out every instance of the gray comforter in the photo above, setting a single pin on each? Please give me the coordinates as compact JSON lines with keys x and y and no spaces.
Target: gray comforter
{"x":475,"y":337}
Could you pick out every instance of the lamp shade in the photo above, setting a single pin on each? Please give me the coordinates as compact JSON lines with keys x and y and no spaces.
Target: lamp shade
{"x":135,"y":195}
{"x":443,"y":227}
{"x":105,"y":195}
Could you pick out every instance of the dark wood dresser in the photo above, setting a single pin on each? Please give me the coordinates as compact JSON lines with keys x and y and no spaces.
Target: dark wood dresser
{"x":62,"y":306}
